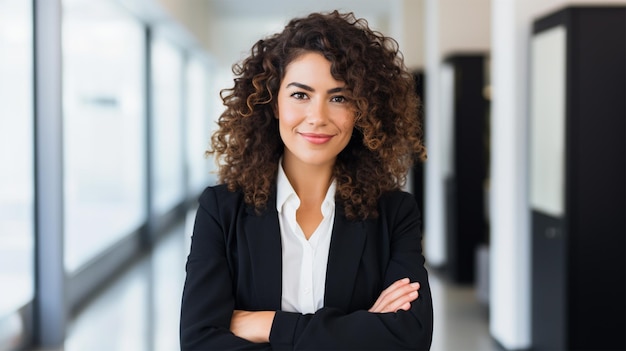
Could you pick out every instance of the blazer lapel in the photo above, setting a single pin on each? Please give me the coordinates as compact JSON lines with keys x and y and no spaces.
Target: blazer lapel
{"x":346,"y":249}
{"x":264,"y":244}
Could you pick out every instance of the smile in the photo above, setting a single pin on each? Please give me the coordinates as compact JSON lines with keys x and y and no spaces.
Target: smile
{"x":317,"y":139}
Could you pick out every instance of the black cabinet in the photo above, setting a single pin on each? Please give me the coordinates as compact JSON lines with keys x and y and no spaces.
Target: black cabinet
{"x":465,"y":121}
{"x":577,"y":179}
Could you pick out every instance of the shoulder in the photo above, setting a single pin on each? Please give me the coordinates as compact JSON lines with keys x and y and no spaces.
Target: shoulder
{"x":396,"y":198}
{"x":399,"y":214}
{"x":220,"y":191}
{"x":397,"y":203}
{"x":219,"y":197}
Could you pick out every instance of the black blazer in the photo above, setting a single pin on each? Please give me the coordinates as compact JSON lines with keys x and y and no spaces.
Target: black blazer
{"x":235,"y":263}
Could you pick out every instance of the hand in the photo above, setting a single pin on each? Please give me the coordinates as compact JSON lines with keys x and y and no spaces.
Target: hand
{"x":252,"y":326}
{"x":398,"y":296}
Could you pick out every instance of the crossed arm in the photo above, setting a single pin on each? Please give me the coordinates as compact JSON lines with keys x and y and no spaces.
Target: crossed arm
{"x":256,"y":326}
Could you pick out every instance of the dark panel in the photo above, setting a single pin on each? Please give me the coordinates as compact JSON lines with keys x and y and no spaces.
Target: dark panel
{"x":465,"y":205}
{"x":593,"y":282}
{"x":549,"y":282}
{"x":596,"y":186}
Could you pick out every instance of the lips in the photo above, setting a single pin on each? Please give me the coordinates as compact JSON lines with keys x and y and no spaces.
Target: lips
{"x":316,"y":138}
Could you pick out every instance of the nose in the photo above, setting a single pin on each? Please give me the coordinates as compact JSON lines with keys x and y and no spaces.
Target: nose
{"x":317,"y":113}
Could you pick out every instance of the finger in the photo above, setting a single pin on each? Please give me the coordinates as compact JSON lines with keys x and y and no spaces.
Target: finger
{"x":395,"y":285}
{"x":399,"y":292}
{"x":402,"y":303}
{"x":396,"y":298}
{"x":391,"y":293}
{"x":392,"y":305}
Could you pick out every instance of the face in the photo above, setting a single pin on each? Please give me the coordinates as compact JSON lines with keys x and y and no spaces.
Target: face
{"x":315,"y":119}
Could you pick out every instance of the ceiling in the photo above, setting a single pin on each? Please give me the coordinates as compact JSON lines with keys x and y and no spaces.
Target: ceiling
{"x":293,"y":8}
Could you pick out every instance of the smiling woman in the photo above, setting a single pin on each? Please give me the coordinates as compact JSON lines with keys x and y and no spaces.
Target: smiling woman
{"x":309,"y":243}
{"x":314,"y":120}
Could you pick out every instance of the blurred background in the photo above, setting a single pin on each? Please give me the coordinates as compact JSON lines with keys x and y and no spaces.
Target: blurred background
{"x":107,"y":106}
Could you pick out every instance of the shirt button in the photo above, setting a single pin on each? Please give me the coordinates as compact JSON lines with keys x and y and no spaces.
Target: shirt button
{"x":307,"y":291}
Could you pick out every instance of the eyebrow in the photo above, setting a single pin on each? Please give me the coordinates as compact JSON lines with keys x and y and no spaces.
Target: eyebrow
{"x":308,"y":88}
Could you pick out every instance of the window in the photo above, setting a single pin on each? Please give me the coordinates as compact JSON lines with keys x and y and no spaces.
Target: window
{"x":198,"y":133}
{"x":16,"y":163}
{"x":167,"y":121}
{"x":104,"y":127}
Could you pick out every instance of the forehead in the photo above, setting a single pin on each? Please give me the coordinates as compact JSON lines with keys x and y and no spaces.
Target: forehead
{"x":308,"y":59}
{"x":309,"y":66}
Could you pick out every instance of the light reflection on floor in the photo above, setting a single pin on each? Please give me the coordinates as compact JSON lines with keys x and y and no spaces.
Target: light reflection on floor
{"x":141,"y":310}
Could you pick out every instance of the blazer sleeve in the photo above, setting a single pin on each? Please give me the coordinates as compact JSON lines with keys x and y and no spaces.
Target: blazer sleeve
{"x":208,"y":302}
{"x":332,"y":328}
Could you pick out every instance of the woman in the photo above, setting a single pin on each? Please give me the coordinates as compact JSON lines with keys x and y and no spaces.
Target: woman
{"x":309,"y":242}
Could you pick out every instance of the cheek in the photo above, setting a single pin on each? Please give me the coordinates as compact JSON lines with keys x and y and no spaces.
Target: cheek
{"x":287,"y":114}
{"x":346,"y":131}
{"x":348,"y":125}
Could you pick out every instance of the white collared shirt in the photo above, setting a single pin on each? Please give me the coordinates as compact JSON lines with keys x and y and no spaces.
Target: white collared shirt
{"x":304,"y":261}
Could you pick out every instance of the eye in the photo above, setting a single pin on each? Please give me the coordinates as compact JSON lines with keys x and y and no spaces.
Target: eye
{"x":299,"y":95}
{"x":339,"y":99}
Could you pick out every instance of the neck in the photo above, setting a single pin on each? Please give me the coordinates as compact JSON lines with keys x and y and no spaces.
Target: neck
{"x":309,"y":182}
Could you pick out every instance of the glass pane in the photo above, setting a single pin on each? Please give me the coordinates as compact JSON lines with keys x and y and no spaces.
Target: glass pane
{"x":16,"y":173}
{"x":167,"y":150}
{"x":104,"y":127}
{"x":16,"y":157}
{"x":547,"y":127}
{"x":197,"y":126}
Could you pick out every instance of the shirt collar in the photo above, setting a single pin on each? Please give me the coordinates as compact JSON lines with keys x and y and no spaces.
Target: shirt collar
{"x":285,"y":192}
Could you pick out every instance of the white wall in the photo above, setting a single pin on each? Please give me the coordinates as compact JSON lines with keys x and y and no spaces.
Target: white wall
{"x":407,"y":27}
{"x":509,"y":238}
{"x":464,"y":26}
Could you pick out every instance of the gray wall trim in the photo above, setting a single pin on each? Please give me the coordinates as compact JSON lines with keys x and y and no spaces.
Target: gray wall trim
{"x":50,"y":304}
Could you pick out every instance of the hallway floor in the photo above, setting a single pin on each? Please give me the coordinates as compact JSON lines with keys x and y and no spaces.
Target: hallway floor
{"x":140,"y":310}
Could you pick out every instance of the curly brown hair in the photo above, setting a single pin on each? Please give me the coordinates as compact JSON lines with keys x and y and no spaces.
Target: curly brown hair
{"x":387,"y":138}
